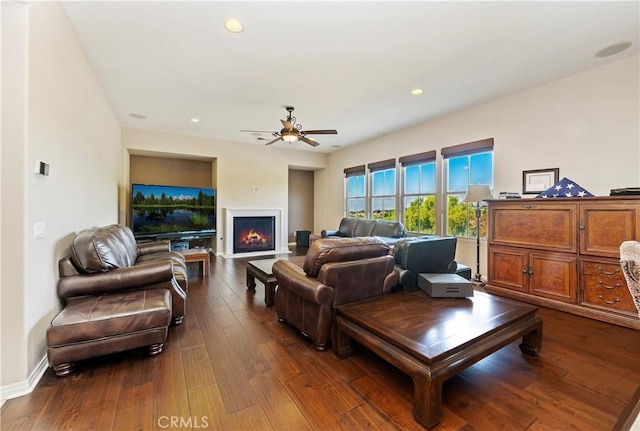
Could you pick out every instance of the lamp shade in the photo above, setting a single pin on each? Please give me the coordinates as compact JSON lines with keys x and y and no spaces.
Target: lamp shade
{"x":478,"y":193}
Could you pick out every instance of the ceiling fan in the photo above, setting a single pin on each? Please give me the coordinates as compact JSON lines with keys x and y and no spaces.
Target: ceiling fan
{"x":292,"y":131}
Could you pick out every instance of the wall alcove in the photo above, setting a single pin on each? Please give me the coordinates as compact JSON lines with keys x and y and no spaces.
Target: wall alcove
{"x":173,"y":170}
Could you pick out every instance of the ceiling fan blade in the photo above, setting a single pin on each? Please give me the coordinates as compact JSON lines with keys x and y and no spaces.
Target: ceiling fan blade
{"x":287,"y":125}
{"x":274,"y":141}
{"x":319,"y":132}
{"x":257,"y":131}
{"x":309,"y":141}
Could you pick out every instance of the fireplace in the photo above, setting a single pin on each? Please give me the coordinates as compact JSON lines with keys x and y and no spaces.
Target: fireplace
{"x":257,"y":244}
{"x":251,"y":234}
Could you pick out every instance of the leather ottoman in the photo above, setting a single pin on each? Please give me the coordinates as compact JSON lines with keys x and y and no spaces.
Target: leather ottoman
{"x":100,"y":325}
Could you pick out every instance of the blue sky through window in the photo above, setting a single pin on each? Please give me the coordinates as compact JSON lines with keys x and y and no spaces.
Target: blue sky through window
{"x":460,"y":174}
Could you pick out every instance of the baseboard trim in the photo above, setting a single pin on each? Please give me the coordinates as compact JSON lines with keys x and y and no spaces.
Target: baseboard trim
{"x":24,"y":387}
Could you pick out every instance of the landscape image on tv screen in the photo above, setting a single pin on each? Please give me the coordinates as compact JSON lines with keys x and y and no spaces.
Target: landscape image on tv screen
{"x":169,"y":209}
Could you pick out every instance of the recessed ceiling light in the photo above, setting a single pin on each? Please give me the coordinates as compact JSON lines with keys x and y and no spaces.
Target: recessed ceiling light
{"x":417,"y":91}
{"x":614,"y":49}
{"x":194,"y":120}
{"x":233,"y":26}
{"x":138,"y":116}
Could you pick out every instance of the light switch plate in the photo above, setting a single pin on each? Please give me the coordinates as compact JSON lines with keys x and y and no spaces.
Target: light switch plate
{"x":39,"y":230}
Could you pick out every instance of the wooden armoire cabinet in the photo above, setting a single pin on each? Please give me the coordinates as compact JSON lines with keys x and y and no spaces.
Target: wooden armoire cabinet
{"x":564,"y":254}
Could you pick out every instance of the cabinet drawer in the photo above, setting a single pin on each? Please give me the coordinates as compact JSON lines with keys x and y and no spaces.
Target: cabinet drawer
{"x":604,"y":286}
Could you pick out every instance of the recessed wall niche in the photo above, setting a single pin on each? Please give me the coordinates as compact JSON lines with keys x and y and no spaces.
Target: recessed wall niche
{"x":173,"y":171}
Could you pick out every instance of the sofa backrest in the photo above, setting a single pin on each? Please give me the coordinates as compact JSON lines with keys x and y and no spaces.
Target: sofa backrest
{"x":387,"y":228}
{"x":364,"y":227}
{"x":103,"y":249}
{"x":351,"y":227}
{"x":347,"y":226}
{"x":427,"y":254}
{"x":359,"y":279}
{"x":341,"y":250}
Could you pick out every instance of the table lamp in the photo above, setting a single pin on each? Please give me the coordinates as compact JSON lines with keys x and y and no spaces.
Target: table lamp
{"x":477,"y":193}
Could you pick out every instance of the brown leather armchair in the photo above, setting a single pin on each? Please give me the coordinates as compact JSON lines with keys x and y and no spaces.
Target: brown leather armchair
{"x":335,"y":271}
{"x":118,"y":296}
{"x":109,"y":258}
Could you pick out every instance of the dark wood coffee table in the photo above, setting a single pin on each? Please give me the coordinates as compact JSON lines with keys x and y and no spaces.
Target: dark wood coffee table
{"x":262,"y":270}
{"x":433,"y":339}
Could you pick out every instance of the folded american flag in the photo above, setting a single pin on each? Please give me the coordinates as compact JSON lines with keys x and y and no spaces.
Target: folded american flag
{"x":565,"y":188}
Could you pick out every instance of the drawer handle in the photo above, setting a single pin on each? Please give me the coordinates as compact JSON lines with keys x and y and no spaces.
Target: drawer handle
{"x":615,"y":286}
{"x":528,"y":207}
{"x":608,"y":302}
{"x":615,"y":271}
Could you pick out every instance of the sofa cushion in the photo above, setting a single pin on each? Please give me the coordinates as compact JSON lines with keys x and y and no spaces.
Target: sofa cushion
{"x":364,"y":227}
{"x":347,"y":227}
{"x":102,"y":249}
{"x":341,"y":250}
{"x":115,"y":315}
{"x":387,"y":228}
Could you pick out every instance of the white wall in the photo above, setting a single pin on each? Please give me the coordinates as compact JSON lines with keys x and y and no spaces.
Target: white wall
{"x":240,"y":169}
{"x":587,"y":125}
{"x":66,"y":121}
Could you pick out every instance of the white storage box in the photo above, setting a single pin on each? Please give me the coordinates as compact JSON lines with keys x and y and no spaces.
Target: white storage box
{"x":445,"y":285}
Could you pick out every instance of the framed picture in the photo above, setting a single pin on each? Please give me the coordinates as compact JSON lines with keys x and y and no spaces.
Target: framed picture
{"x":539,"y":180}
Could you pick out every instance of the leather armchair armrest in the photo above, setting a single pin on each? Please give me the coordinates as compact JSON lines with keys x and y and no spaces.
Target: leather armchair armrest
{"x":390,"y":281}
{"x":408,"y":278}
{"x":453,"y":266}
{"x":138,"y":276}
{"x":327,"y":232}
{"x":292,"y":277}
{"x":153,"y":247}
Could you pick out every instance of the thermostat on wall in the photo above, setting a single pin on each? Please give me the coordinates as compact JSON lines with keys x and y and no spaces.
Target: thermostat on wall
{"x":41,"y":168}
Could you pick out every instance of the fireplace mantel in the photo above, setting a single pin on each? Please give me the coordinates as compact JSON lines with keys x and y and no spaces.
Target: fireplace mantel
{"x":281,"y":246}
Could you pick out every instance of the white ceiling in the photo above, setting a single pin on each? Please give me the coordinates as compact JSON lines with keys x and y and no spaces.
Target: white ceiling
{"x":343,"y":65}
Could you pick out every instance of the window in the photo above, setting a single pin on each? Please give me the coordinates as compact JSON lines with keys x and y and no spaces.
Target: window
{"x":355,"y":192}
{"x":383,"y":189}
{"x":466,"y":164}
{"x":419,"y":192}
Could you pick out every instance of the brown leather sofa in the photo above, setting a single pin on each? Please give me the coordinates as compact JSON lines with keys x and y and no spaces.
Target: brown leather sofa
{"x":429,"y":254}
{"x":350,"y":227}
{"x":118,"y":295}
{"x":335,"y":271}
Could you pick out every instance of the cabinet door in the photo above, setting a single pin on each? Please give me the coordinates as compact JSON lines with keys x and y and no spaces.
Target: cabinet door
{"x":543,"y":226}
{"x":553,"y":276}
{"x":508,"y":268}
{"x":604,"y":227}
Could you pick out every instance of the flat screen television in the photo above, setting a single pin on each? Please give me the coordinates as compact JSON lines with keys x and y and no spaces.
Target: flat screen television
{"x":158,"y":210}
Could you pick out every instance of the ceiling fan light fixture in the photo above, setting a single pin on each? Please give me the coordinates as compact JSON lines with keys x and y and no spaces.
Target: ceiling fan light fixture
{"x":289,"y":136}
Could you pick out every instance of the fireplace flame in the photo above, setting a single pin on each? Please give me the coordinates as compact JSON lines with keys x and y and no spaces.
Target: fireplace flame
{"x":254,"y":239}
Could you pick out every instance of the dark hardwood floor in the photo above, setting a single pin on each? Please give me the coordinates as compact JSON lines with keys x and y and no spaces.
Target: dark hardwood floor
{"x":232,"y":366}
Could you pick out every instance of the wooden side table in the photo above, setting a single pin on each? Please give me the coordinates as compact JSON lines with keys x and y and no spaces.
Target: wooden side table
{"x":197,"y":255}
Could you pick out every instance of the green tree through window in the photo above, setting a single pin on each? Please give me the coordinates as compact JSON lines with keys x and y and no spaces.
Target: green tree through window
{"x":462,"y":171}
{"x":419,"y":197}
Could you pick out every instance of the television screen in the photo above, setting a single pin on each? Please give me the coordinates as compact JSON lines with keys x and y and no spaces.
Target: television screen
{"x":170,"y":209}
